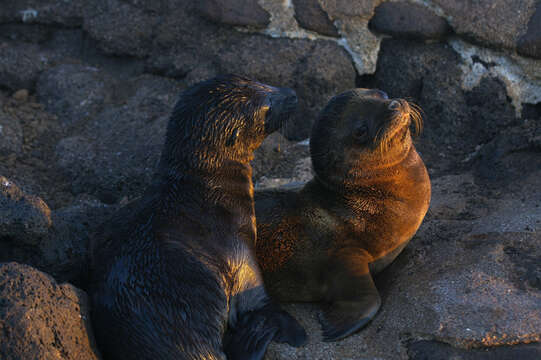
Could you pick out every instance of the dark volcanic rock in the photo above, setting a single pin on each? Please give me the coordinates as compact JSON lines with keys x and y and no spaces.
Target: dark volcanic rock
{"x":73,"y":92}
{"x":64,"y":252}
{"x":530,"y":43}
{"x":497,"y":23}
{"x":24,"y":218}
{"x":40,"y":319}
{"x":455,"y":121}
{"x":343,"y":8}
{"x":513,"y":153}
{"x":21,"y":64}
{"x":317,"y":70}
{"x":118,"y":149}
{"x":11,"y":134}
{"x":120,"y":28}
{"x":234,"y":12}
{"x":408,"y":20}
{"x":434,"y":350}
{"x":66,"y":13}
{"x":311,"y":16}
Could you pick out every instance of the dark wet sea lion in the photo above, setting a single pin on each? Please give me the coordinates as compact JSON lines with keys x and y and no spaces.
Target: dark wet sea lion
{"x":174,"y":275}
{"x":322,"y":242}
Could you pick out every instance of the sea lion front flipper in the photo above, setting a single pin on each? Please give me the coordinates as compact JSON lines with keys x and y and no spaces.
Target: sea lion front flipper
{"x":249,"y":339}
{"x":289,"y":329}
{"x":353,"y":298}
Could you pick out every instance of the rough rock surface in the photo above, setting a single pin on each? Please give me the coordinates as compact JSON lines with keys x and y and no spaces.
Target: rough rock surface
{"x":489,"y":21}
{"x":234,"y":12}
{"x":21,"y":64}
{"x":430,"y":75}
{"x":120,"y":28}
{"x":311,"y":16}
{"x":73,"y":92}
{"x":529,"y":44}
{"x":40,"y":319}
{"x":117,"y":150}
{"x":408,"y":20}
{"x":11,"y":134}
{"x":25,"y":218}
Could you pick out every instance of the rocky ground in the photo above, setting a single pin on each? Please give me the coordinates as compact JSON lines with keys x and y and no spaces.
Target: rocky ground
{"x":86,"y":89}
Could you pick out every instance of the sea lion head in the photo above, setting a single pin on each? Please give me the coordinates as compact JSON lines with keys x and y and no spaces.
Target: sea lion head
{"x":224,"y":118}
{"x":360,"y":132}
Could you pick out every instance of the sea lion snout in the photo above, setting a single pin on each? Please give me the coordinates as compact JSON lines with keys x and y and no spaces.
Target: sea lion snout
{"x":283,"y":104}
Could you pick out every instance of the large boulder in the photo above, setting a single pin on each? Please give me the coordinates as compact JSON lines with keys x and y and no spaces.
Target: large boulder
{"x":11,"y":134}
{"x":116,"y":152}
{"x":456,"y":120}
{"x":121,"y":28}
{"x":529,"y":44}
{"x":409,"y":20}
{"x":25,"y":218}
{"x":40,"y":319}
{"x":311,"y":16}
{"x":21,"y":64}
{"x":50,"y":12}
{"x":495,"y":23}
{"x":74,"y":92}
{"x":234,"y":12}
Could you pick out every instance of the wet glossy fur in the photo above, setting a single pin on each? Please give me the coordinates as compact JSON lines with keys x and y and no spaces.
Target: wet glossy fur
{"x":174,"y":274}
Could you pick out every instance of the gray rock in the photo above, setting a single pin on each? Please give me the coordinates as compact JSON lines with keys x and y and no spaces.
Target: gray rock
{"x":40,"y":319}
{"x":511,"y":154}
{"x":529,"y":44}
{"x":278,"y":157}
{"x":21,"y":64}
{"x":434,"y":350}
{"x":234,"y":12}
{"x":120,"y":28}
{"x":346,"y":8}
{"x":64,"y":252}
{"x":408,"y":20}
{"x":496,"y":23}
{"x":311,"y":16}
{"x":24,"y":218}
{"x":74,"y":92}
{"x":50,"y":12}
{"x":317,"y":70}
{"x":11,"y":134}
{"x":117,"y":151}
{"x":455,"y":121}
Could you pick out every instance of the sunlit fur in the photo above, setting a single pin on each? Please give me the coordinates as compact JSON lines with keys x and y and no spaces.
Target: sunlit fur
{"x":174,"y":272}
{"x":387,"y":140}
{"x":323,"y":241}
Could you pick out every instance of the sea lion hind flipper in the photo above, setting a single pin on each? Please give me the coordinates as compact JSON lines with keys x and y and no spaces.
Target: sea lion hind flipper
{"x":353,"y":299}
{"x":289,"y":329}
{"x":342,"y":318}
{"x":250,"y":337}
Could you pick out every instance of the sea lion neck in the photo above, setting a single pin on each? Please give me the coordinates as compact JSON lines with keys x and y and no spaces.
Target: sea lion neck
{"x":220,"y":186}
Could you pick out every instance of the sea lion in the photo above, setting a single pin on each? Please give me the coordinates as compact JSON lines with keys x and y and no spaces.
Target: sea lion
{"x":174,"y":275}
{"x":322,"y":242}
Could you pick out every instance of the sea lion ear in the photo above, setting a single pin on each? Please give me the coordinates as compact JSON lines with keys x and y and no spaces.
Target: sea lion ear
{"x":233,"y":138}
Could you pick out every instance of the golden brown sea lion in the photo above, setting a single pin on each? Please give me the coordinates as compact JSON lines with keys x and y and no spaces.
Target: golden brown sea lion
{"x":370,"y":193}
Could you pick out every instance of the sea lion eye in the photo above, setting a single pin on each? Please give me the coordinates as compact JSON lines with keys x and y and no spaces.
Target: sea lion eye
{"x":361,"y":132}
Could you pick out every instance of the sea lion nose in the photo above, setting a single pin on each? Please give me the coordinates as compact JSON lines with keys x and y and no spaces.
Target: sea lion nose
{"x":283,"y":103}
